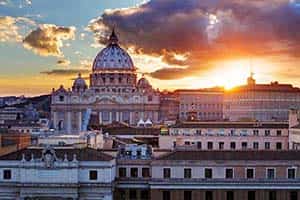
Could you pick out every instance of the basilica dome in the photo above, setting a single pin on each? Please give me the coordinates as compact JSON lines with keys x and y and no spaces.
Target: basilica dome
{"x":143,"y":83}
{"x":113,"y":57}
{"x":79,"y":84}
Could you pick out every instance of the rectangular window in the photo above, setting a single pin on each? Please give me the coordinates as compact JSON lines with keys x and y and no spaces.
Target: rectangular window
{"x":167,"y":173}
{"x":187,"y":173}
{"x":293,"y":195}
{"x":270,"y":173}
{"x":187,"y":195}
{"x":61,"y":98}
{"x":132,"y":194}
{"x":255,"y":132}
{"x":267,"y":132}
{"x":229,"y":173}
{"x":267,"y":145}
{"x":291,"y":173}
{"x":278,"y":145}
{"x":208,"y":173}
{"x":221,"y":145}
{"x":249,"y":173}
{"x":229,"y":195}
{"x":166,"y":195}
{"x":232,"y":132}
{"x":146,"y":172}
{"x":198,"y":132}
{"x":7,"y":174}
{"x":209,"y":145}
{"x":145,"y":194}
{"x":255,"y":145}
{"x":134,"y":172}
{"x":251,"y":195}
{"x":244,"y":145}
{"x":278,"y":132}
{"x":208,"y":195}
{"x":122,"y":194}
{"x":232,"y":145}
{"x":187,"y":143}
{"x":93,"y":175}
{"x":199,"y":145}
{"x":272,"y":195}
{"x":122,"y":172}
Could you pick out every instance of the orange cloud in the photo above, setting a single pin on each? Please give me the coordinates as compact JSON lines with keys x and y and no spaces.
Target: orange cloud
{"x":207,"y":31}
{"x":48,"y":39}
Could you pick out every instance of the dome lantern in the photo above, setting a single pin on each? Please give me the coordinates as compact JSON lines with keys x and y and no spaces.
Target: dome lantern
{"x":113,"y":38}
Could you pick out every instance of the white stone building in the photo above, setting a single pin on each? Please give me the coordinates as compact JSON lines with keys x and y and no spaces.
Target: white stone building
{"x":63,"y":173}
{"x":227,"y":136}
{"x":114,"y":94}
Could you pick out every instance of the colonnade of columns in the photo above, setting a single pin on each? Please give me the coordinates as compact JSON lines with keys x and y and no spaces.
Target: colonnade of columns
{"x":66,"y":117}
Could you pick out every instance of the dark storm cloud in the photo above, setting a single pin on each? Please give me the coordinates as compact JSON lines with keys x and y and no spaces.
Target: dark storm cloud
{"x":63,"y":62}
{"x":65,"y":72}
{"x":240,"y":29}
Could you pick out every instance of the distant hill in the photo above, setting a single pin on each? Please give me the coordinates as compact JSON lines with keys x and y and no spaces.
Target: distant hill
{"x":41,"y":103}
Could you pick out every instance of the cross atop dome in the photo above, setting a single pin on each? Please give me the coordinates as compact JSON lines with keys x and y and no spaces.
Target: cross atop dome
{"x":113,"y":38}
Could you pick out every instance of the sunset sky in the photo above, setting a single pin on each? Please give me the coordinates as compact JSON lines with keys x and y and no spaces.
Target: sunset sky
{"x":175,"y":43}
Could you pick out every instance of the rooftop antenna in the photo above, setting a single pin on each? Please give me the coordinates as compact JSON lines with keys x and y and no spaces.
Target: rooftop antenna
{"x":251,"y":80}
{"x":251,"y":68}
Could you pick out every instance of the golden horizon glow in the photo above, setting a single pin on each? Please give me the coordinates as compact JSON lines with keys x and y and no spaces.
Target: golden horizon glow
{"x":227,"y":74}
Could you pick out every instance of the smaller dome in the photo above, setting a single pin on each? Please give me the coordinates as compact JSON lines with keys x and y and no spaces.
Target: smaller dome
{"x":143,"y":83}
{"x":79,"y":83}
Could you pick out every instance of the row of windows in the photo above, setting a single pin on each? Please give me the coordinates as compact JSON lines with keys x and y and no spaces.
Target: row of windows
{"x":209,"y":195}
{"x":133,"y":194}
{"x":232,"y":132}
{"x":201,"y":104}
{"x":229,"y":173}
{"x":208,"y":173}
{"x":134,"y":172}
{"x":204,"y":114}
{"x":244,"y":145}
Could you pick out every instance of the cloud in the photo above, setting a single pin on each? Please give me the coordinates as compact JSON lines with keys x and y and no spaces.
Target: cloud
{"x":65,"y":72}
{"x":4,"y":2}
{"x":85,"y":63}
{"x":11,"y":28}
{"x":47,"y":40}
{"x":208,"y":31}
{"x":63,"y":62}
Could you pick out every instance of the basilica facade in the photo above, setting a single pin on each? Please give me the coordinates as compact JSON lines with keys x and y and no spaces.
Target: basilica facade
{"x":114,"y":94}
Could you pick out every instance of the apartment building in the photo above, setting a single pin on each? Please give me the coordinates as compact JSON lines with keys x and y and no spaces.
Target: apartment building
{"x":227,"y":136}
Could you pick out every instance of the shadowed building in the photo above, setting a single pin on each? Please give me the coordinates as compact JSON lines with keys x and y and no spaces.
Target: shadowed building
{"x":263,"y":102}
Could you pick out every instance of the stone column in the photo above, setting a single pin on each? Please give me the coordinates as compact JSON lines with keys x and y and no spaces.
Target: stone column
{"x":121,"y":116}
{"x":100,"y":117}
{"x":55,"y":120}
{"x":155,"y":117}
{"x":130,"y":118}
{"x":110,"y":117}
{"x":117,"y":116}
{"x":68,"y":125}
{"x":79,"y":121}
